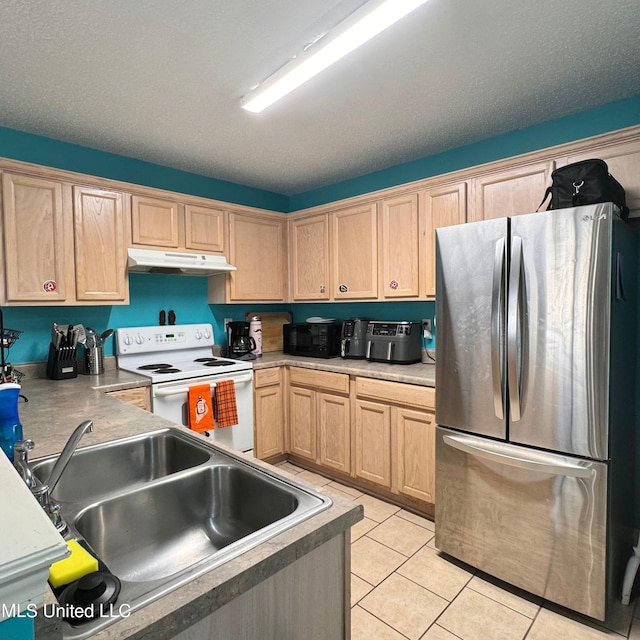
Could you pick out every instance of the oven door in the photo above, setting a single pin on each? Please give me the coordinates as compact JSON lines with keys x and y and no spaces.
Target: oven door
{"x":169,"y":401}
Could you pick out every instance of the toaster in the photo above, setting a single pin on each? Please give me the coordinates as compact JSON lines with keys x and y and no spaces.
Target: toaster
{"x":394,"y":342}
{"x":353,"y":341}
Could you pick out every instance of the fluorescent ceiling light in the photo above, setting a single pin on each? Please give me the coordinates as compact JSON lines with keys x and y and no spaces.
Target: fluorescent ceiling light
{"x":357,"y":29}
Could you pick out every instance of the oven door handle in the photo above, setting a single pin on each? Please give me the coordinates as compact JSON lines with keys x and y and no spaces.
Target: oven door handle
{"x":173,"y":391}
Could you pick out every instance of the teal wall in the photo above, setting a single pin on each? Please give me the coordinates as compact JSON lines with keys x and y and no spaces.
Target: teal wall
{"x":610,"y":117}
{"x":27,"y":147}
{"x":187,"y":296}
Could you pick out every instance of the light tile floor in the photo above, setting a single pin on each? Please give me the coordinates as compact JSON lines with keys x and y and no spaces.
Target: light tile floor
{"x":403,"y":587}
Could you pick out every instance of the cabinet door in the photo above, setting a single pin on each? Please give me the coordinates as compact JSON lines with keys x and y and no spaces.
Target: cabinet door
{"x":415,"y":438}
{"x":373,"y":442}
{"x":154,"y":222}
{"x":302,"y":423}
{"x":309,"y":242}
{"x":623,"y":160}
{"x":334,"y":426}
{"x":34,"y":240}
{"x":510,"y":193}
{"x":441,"y":207}
{"x":204,"y":229}
{"x":100,"y":250}
{"x":257,"y":250}
{"x":399,"y":247}
{"x":269,"y":428}
{"x":355,"y":253}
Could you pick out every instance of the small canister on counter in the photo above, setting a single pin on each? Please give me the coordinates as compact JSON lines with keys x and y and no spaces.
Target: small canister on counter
{"x":255,"y":332}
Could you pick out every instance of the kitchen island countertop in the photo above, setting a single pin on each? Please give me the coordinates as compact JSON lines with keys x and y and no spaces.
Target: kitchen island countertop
{"x":55,"y":408}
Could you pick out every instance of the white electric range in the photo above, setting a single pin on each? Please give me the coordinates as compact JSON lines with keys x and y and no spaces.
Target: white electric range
{"x":175,"y":357}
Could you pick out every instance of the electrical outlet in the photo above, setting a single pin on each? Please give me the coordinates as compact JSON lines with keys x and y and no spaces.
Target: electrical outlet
{"x":426,"y":325}
{"x":226,"y":322}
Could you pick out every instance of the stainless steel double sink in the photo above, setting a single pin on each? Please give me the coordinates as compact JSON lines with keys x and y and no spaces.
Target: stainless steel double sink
{"x":164,"y":507}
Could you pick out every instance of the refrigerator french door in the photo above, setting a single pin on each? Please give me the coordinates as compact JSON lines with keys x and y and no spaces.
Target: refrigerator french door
{"x":536,"y":320}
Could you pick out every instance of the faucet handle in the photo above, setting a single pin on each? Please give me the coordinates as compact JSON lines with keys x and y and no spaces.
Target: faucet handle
{"x":24,"y":446}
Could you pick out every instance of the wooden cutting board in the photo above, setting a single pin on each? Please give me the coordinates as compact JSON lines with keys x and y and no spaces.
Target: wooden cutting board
{"x":272,"y":322}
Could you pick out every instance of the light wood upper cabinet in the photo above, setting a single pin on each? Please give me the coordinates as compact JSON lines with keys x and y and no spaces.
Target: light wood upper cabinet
{"x":511,"y":192}
{"x":310,"y":262}
{"x":440,"y":207}
{"x":204,"y":229}
{"x":623,"y":160}
{"x":399,"y":247}
{"x":63,"y":244}
{"x":355,"y":253}
{"x":100,"y":250}
{"x":38,"y":246}
{"x":154,"y":222}
{"x":257,"y":248}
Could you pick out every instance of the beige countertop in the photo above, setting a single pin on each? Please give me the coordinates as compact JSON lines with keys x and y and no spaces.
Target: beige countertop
{"x":55,"y":408}
{"x":421,"y":374}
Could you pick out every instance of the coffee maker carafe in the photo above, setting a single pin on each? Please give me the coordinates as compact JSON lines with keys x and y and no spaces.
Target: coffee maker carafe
{"x":240,"y":342}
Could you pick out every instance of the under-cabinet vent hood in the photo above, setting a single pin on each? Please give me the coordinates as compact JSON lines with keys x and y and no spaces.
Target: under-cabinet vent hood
{"x":189,"y":264}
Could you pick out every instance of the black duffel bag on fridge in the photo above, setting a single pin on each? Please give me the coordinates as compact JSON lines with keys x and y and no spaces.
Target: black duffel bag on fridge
{"x":585,"y":182}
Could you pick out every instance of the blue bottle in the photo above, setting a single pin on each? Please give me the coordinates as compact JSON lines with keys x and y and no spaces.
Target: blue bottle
{"x":10,"y":427}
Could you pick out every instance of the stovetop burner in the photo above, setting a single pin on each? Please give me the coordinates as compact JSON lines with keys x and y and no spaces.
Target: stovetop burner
{"x":215,"y":364}
{"x":208,"y":359}
{"x":169,"y":370}
{"x":155,"y":367}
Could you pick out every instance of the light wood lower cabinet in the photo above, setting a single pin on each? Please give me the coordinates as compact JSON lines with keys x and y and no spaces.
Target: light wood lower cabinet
{"x":320,"y":417}
{"x":415,"y":447}
{"x":374,"y":434}
{"x":395,"y":437}
{"x":139,"y":397}
{"x":373,"y":442}
{"x":268,"y":439}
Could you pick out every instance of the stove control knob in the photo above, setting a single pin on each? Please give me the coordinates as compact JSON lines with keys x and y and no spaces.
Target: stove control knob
{"x":128,"y":340}
{"x":207,"y":334}
{"x":139,"y":339}
{"x":198,"y":334}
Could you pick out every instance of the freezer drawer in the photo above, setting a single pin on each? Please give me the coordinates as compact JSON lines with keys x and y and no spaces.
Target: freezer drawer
{"x":533,"y":519}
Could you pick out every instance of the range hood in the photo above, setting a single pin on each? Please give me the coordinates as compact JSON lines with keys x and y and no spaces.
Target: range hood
{"x":188,"y":264}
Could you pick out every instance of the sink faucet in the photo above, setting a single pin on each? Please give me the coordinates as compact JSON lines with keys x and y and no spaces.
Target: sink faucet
{"x":43,"y":492}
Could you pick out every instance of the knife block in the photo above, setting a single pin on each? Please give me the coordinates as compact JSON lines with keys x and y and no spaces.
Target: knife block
{"x":60,"y":369}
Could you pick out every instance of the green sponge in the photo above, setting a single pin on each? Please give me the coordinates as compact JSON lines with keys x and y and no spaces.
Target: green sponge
{"x":72,"y":568}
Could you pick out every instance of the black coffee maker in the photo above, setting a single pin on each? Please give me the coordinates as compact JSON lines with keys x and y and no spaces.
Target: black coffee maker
{"x":241,"y":344}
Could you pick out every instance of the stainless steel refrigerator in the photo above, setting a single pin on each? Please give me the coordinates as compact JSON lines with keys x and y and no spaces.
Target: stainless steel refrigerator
{"x":535,"y":370}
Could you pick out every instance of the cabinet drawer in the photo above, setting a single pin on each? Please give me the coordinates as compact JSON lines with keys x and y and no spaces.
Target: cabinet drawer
{"x":338,"y":382}
{"x":267,"y":377}
{"x":405,"y":394}
{"x":139,"y":396}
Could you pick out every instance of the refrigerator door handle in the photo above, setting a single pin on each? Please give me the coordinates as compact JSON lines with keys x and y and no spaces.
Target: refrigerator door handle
{"x":497,"y":320}
{"x":515,"y":328}
{"x":487,"y":452}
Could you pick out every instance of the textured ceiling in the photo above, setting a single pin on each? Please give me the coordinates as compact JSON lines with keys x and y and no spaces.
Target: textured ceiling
{"x":162,"y":81}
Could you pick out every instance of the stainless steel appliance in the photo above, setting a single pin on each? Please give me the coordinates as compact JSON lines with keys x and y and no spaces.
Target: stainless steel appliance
{"x":394,"y":342}
{"x":314,"y":339}
{"x":353,"y":342}
{"x":177,"y":357}
{"x":240,"y":343}
{"x":535,"y":365}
